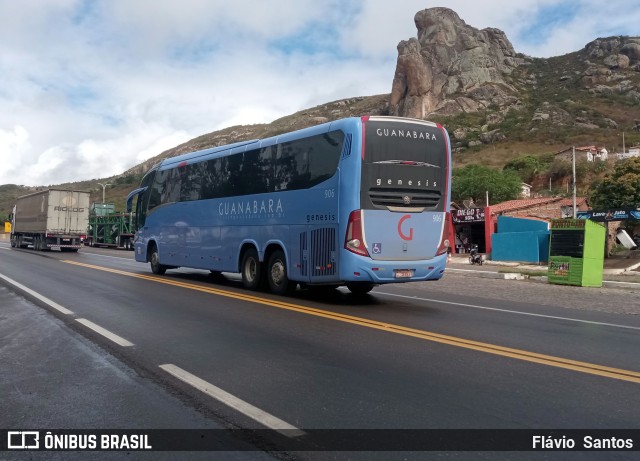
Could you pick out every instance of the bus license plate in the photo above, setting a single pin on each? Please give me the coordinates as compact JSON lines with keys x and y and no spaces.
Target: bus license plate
{"x":403,"y":273}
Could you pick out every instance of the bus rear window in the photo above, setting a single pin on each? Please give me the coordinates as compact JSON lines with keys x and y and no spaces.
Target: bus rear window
{"x":404,"y":166}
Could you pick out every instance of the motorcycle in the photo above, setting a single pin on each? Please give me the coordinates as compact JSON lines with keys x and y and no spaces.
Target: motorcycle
{"x":475,"y":257}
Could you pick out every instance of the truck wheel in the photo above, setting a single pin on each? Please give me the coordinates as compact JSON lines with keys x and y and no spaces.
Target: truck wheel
{"x":39,"y":243}
{"x":251,"y":269}
{"x":279,"y":282}
{"x":156,"y":267}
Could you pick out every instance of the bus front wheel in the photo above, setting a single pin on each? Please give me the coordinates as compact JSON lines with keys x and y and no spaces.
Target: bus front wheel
{"x":156,"y":267}
{"x":251,"y":269}
{"x":279,"y":282}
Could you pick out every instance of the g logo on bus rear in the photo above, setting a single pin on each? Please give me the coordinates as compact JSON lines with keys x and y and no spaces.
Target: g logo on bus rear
{"x":402,"y":235}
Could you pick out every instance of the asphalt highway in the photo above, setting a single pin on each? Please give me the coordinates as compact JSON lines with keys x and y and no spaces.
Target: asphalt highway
{"x":187,"y":351}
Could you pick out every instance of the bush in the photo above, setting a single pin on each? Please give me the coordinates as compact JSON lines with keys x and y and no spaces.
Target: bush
{"x":526,"y":167}
{"x":560,"y":168}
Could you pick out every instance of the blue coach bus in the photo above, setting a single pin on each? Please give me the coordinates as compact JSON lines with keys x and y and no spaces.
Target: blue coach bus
{"x":358,"y":202}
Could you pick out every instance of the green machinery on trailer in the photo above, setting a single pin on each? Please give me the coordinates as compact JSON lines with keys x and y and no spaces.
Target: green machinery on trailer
{"x":108,"y":228}
{"x":576,"y":252}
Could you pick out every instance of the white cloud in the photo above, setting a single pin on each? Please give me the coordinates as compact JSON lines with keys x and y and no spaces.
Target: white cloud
{"x":91,"y":88}
{"x":14,"y":145}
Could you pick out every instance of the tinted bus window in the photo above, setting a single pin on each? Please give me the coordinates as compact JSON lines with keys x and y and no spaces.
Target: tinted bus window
{"x":143,"y":199}
{"x":288,"y":166}
{"x":307,"y":162}
{"x":405,"y":165}
{"x":191,"y":181}
{"x":258,"y":170}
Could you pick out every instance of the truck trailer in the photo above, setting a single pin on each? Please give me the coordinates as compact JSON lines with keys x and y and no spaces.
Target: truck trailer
{"x":50,"y":219}
{"x":108,"y":228}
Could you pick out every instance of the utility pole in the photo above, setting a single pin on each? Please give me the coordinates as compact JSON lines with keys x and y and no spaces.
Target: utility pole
{"x":104,"y":187}
{"x":574,"y":182}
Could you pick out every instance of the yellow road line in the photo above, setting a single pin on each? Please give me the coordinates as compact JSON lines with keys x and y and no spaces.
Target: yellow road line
{"x":575,"y":365}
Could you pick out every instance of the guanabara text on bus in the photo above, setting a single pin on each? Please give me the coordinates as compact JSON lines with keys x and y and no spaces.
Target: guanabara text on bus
{"x":358,"y":202}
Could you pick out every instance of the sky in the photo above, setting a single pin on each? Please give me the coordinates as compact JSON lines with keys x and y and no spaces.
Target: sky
{"x":90,"y":88}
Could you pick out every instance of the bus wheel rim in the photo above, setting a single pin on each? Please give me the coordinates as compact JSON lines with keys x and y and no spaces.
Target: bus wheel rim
{"x":277,"y":272}
{"x":251,"y":269}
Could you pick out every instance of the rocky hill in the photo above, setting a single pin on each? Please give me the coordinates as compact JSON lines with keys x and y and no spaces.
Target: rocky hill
{"x":497,"y":104}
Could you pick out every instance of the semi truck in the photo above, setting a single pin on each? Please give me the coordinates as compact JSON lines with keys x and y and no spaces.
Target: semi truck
{"x":50,"y":219}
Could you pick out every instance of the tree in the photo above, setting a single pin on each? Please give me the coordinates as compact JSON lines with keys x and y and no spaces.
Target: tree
{"x":527,"y":167}
{"x":473,"y":181}
{"x":620,"y":188}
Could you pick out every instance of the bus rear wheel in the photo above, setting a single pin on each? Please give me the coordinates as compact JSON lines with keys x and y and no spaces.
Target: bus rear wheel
{"x":360,"y":288}
{"x":279,"y":282}
{"x":156,"y":267}
{"x":251,"y":269}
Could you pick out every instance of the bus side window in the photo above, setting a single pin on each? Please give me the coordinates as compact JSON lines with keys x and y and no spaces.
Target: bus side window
{"x":141,"y":213}
{"x":143,"y":200}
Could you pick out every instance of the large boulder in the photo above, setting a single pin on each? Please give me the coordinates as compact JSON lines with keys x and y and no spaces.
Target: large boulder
{"x":631,"y":50}
{"x":442,"y":69}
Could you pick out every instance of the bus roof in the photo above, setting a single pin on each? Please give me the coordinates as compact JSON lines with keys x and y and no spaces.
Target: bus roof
{"x":199,"y":153}
{"x":221,"y":151}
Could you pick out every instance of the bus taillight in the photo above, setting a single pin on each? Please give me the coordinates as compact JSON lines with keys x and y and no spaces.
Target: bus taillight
{"x":444,"y":245}
{"x":354,"y":240}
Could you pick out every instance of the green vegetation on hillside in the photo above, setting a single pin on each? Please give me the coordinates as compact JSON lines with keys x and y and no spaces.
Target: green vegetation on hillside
{"x":475,"y":181}
{"x":620,"y":187}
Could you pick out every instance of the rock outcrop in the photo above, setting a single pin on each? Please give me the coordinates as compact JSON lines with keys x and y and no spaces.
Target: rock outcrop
{"x":615,"y":50}
{"x":606,"y":58}
{"x":451,"y":67}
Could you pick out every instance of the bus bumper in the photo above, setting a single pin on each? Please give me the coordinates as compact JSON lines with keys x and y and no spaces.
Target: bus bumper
{"x":380,"y":272}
